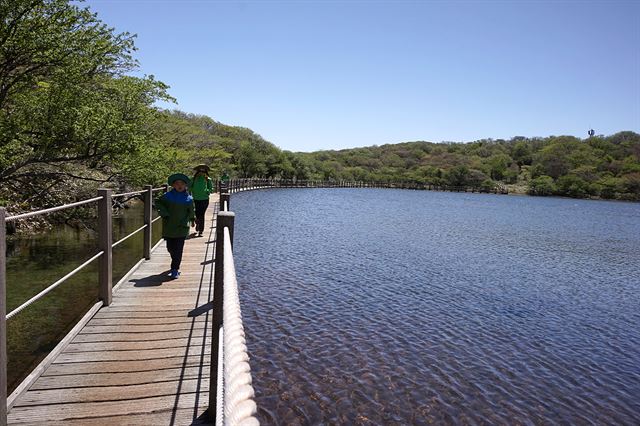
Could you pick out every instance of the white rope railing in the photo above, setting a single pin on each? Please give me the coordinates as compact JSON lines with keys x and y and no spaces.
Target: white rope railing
{"x":239,"y":406}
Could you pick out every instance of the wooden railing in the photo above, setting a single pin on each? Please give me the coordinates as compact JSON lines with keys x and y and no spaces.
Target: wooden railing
{"x":104,"y":256}
{"x":235,"y":185}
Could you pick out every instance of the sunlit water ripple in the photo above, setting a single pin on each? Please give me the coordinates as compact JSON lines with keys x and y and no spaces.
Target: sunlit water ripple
{"x":367,"y":306}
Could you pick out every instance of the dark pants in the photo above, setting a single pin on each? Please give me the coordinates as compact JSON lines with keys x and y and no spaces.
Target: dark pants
{"x":175,"y":247}
{"x":201,"y":208}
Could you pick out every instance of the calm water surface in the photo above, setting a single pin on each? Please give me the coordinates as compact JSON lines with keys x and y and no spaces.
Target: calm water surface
{"x":366,"y":306}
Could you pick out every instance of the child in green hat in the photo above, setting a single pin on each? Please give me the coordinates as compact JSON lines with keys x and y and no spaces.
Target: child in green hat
{"x":177,"y":211}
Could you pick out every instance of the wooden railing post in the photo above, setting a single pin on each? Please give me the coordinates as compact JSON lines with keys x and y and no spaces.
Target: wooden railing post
{"x":105,"y":238}
{"x":3,"y":317}
{"x":224,"y":220}
{"x":148,"y":217}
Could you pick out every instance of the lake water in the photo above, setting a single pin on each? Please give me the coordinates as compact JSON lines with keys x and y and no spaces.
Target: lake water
{"x":35,"y":262}
{"x":374,"y":306}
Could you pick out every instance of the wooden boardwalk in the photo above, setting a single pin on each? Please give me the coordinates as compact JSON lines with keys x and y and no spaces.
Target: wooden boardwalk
{"x":144,"y":359}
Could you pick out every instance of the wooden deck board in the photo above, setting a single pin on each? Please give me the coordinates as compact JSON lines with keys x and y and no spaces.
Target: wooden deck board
{"x":143,"y":360}
{"x":70,"y":369}
{"x":134,"y":345}
{"x":120,"y":379}
{"x":96,"y":410}
{"x":141,"y":337}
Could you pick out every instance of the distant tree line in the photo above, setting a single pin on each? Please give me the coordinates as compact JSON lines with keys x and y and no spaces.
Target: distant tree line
{"x":600,"y":166}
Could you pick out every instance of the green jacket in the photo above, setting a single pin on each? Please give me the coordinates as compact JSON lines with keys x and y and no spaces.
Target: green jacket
{"x":201,"y":187}
{"x":176,"y":209}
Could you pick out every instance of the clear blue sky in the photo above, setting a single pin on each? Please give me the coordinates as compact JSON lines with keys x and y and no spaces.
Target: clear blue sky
{"x":310,"y":75}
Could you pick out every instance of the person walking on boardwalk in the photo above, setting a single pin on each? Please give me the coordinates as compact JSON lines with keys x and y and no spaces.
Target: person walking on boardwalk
{"x":201,"y":187}
{"x":224,"y":182}
{"x":177,"y":211}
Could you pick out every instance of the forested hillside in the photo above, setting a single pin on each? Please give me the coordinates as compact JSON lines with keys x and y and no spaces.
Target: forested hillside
{"x":607,"y":167}
{"x":73,"y":118}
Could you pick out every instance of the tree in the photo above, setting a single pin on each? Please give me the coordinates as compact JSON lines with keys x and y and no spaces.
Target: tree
{"x":40,"y":38}
{"x":631,"y":183}
{"x":610,"y":186}
{"x":522,"y":153}
{"x":572,"y":186}
{"x":498,"y":165}
{"x":457,"y":176}
{"x":67,"y":109}
{"x":542,"y":185}
{"x":554,"y":158}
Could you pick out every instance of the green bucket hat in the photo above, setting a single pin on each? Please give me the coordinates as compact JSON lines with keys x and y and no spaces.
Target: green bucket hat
{"x":179,"y":176}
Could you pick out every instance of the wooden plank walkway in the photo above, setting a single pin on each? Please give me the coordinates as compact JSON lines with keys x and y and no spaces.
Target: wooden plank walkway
{"x":142,"y":360}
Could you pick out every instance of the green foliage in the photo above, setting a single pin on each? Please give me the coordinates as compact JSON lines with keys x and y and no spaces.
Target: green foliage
{"x":601,"y":166}
{"x":68,"y":111}
{"x":542,"y":185}
{"x":573,"y":186}
{"x":457,"y":176}
{"x":200,"y":139}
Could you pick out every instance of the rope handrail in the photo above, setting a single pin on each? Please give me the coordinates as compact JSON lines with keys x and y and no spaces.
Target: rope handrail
{"x":121,"y":240}
{"x":156,"y":219}
{"x":52,"y":209}
{"x":239,"y":406}
{"x":54,"y":285}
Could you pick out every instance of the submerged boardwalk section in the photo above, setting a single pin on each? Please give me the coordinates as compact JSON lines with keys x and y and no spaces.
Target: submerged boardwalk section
{"x":144,"y":359}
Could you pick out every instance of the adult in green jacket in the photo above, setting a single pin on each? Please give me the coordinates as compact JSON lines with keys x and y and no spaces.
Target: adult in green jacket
{"x":201,"y":188}
{"x":177,"y":211}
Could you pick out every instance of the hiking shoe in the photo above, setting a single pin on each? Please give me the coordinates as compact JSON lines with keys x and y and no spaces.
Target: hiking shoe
{"x":200,"y":234}
{"x":175,"y":273}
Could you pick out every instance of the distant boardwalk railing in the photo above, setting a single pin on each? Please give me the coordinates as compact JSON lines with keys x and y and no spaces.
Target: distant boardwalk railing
{"x":236,"y":185}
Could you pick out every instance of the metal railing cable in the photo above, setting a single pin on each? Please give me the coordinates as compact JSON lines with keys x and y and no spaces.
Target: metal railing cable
{"x":122,"y":240}
{"x":238,"y":403}
{"x":127,"y":194}
{"x":54,"y":285}
{"x":52,"y":209}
